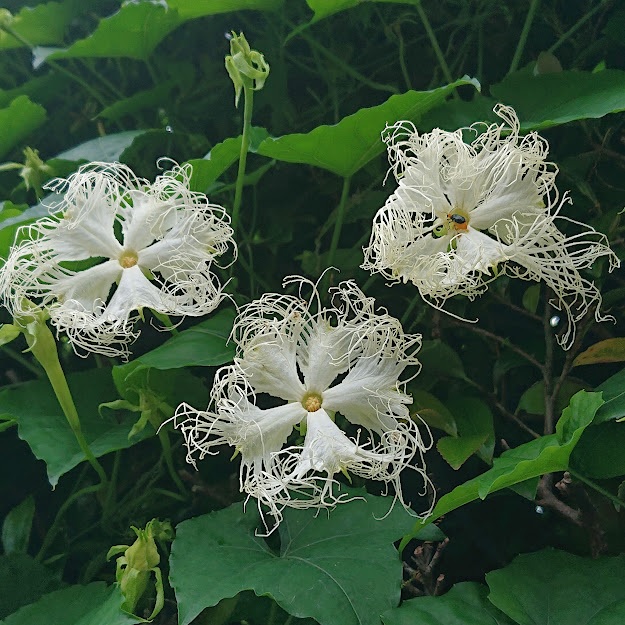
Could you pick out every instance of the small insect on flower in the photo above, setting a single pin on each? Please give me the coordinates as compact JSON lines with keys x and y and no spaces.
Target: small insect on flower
{"x":465,"y":213}
{"x":316,"y":363}
{"x":114,"y":245}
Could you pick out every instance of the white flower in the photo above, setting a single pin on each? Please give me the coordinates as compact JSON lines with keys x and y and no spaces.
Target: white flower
{"x":345,"y":359}
{"x":465,"y":213}
{"x":115,"y":245}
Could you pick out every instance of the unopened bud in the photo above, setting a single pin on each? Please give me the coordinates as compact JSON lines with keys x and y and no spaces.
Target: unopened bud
{"x":247,"y":68}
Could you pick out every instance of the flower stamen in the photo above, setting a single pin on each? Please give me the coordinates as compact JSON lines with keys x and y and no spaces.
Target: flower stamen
{"x":128,"y":259}
{"x":312,"y":402}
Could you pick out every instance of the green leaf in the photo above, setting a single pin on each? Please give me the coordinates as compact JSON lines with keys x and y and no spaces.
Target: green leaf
{"x":475,"y":433}
{"x":326,"y":556}
{"x":613,"y":390}
{"x":556,"y":588}
{"x":464,"y":604}
{"x":138,"y":101}
{"x":203,"y":345}
{"x":23,"y":581}
{"x":8,"y":332}
{"x":439,"y":361}
{"x":18,"y":120}
{"x":94,"y":604}
{"x":189,"y":9}
{"x":208,"y":169}
{"x":346,"y":147}
{"x":132,"y":32}
{"x":559,"y":98}
{"x":599,"y":452}
{"x":108,"y":148}
{"x":542,"y":455}
{"x":42,"y":24}
{"x":533,"y":399}
{"x":433,"y":411}
{"x":43,"y":426}
{"x":17,"y":525}
{"x":609,"y":350}
{"x":325,"y":8}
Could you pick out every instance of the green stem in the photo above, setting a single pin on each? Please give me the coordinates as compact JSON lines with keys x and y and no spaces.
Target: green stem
{"x":523,"y":38}
{"x":248,"y":97}
{"x":43,"y":347}
{"x":434,"y":42}
{"x":52,"y":63}
{"x":613,"y":498}
{"x":15,"y":355}
{"x":339,"y":62}
{"x":402,"y":58}
{"x":166,"y":321}
{"x":54,"y":529}
{"x":338,"y":224}
{"x":577,"y":25}
{"x":169,"y":461}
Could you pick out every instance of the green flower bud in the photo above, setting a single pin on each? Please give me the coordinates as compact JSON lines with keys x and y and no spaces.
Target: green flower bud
{"x":34,"y":171}
{"x":247,"y":68}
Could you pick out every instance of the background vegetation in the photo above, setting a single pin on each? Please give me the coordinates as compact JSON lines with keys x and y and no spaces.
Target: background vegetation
{"x":83,"y":81}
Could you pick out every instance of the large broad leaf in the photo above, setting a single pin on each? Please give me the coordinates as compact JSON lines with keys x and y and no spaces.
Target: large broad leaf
{"x":613,"y":390}
{"x":557,"y":588}
{"x":325,"y":8}
{"x":18,"y":120}
{"x":23,"y":581}
{"x":108,"y":148}
{"x":189,"y":9}
{"x":43,"y":426}
{"x":206,"y":170}
{"x":203,"y":345}
{"x":133,"y":32}
{"x":543,"y":455}
{"x":464,"y":604}
{"x":349,"y":145}
{"x":42,"y":24}
{"x":599,"y":452}
{"x":552,"y":99}
{"x":323,"y":568}
{"x":95,"y":604}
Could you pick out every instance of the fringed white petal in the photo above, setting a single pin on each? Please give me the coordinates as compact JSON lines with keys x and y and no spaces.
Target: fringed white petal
{"x":168,"y":232}
{"x":462,"y":214}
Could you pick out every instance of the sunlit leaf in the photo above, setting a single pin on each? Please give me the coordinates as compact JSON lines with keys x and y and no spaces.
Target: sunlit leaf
{"x":349,"y":145}
{"x":464,"y":604}
{"x":556,"y":588}
{"x":219,"y":555}
{"x":609,"y":350}
{"x":542,"y":455}
{"x":17,"y":121}
{"x":132,"y":32}
{"x":189,"y":9}
{"x":43,"y":426}
{"x":94,"y":604}
{"x":41,"y":24}
{"x":553,"y":99}
{"x":325,"y":8}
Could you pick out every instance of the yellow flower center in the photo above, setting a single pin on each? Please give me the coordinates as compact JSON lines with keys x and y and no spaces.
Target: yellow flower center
{"x":312,"y":402}
{"x":128,"y":259}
